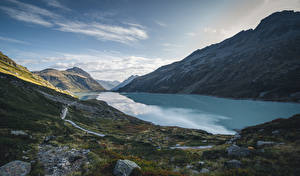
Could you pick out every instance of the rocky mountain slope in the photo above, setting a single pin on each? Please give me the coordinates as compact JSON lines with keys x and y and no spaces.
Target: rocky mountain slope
{"x":108,"y":84}
{"x":8,"y":66}
{"x":73,"y":79}
{"x":35,"y":140}
{"x":125,"y":82}
{"x":262,"y":64}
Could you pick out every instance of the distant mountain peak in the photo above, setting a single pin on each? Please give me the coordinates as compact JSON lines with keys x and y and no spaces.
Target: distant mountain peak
{"x":79,"y":71}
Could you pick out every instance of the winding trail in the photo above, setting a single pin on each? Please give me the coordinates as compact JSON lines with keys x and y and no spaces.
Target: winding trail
{"x":63,"y":115}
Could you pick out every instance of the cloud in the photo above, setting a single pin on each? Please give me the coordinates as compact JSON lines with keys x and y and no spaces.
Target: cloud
{"x":57,"y":4}
{"x":26,"y":16}
{"x":123,"y":33}
{"x":105,"y":32}
{"x":13,"y":40}
{"x":108,"y":66}
{"x":160,"y":23}
{"x":190,"y":34}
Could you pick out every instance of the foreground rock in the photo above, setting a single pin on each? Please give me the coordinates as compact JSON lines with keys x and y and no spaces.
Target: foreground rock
{"x":233,"y":164}
{"x":235,"y":150}
{"x":124,"y":167}
{"x":15,"y":168}
{"x":61,"y":161}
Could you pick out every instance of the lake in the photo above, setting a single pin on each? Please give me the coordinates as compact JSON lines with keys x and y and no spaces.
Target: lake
{"x":212,"y":114}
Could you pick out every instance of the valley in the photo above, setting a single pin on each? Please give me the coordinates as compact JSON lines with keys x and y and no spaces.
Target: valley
{"x":103,"y":96}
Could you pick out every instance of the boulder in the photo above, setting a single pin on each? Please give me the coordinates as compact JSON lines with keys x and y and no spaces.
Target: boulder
{"x":204,"y":170}
{"x":233,"y":164}
{"x":15,"y":168}
{"x":235,"y":150}
{"x":124,"y":167}
{"x":264,"y":143}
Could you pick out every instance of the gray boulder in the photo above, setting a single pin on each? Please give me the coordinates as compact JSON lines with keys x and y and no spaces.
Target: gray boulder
{"x":204,"y":170}
{"x":124,"y":167}
{"x":264,"y":143}
{"x":233,"y":164}
{"x":235,"y":150}
{"x":15,"y":168}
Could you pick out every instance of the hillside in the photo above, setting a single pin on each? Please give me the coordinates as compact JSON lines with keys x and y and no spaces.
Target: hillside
{"x":8,"y":66}
{"x":125,"y":82}
{"x":73,"y":79}
{"x":32,"y":130}
{"x":108,"y":84}
{"x":261,"y":64}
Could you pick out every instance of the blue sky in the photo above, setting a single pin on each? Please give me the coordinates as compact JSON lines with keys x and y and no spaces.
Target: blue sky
{"x":113,"y":39}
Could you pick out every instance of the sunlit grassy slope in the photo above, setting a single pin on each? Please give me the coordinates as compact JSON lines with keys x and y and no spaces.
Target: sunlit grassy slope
{"x":8,"y":66}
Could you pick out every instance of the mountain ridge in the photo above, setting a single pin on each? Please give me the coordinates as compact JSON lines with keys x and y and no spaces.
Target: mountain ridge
{"x":73,"y":79}
{"x":258,"y":63}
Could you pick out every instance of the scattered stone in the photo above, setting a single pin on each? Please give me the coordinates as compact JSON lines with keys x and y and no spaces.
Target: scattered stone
{"x":204,"y":170}
{"x":201,"y":163}
{"x":189,"y":166}
{"x":18,"y":132}
{"x":264,"y":143}
{"x":25,"y":157}
{"x":235,"y":150}
{"x":194,"y":172}
{"x":124,"y":167}
{"x":233,"y":164}
{"x":49,"y":138}
{"x":15,"y":168}
{"x":61,"y":161}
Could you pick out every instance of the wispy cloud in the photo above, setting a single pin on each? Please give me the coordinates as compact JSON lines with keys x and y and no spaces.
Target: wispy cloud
{"x":13,"y":40}
{"x":26,"y":16}
{"x":57,"y":4}
{"x":105,"y":32}
{"x":123,"y":33}
{"x":160,"y":23}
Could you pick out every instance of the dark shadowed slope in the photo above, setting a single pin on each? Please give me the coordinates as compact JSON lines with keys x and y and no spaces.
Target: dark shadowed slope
{"x":263,"y":63}
{"x":73,"y":79}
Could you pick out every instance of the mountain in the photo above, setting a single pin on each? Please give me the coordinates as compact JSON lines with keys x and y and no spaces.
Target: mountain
{"x":262,"y":64}
{"x":108,"y":84}
{"x":125,"y":82}
{"x":9,"y":66}
{"x":42,"y":133}
{"x":74,"y":79}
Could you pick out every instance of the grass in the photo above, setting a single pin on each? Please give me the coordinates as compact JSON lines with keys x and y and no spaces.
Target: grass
{"x":23,"y":107}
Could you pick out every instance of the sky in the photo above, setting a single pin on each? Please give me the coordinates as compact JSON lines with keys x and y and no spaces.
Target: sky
{"x":113,"y":39}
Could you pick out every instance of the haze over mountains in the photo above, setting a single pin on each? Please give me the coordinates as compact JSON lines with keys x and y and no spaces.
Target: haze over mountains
{"x":125,"y":82}
{"x":73,"y":79}
{"x":108,"y":84}
{"x":262,"y":63}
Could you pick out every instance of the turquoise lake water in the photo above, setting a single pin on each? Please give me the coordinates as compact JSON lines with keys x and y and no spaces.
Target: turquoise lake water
{"x":214,"y":115}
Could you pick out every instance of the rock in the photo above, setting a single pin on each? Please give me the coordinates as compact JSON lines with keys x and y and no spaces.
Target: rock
{"x":189,"y":166}
{"x":233,"y":164}
{"x":18,"y":132}
{"x":264,"y":143}
{"x":15,"y":168}
{"x":275,"y":132}
{"x":204,"y":170}
{"x":201,"y":163}
{"x":235,"y":150}
{"x":60,"y":161}
{"x":124,"y":167}
{"x":49,"y":138}
{"x":194,"y":172}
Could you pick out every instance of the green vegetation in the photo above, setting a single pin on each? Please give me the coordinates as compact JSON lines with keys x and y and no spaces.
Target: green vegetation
{"x":35,"y":110}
